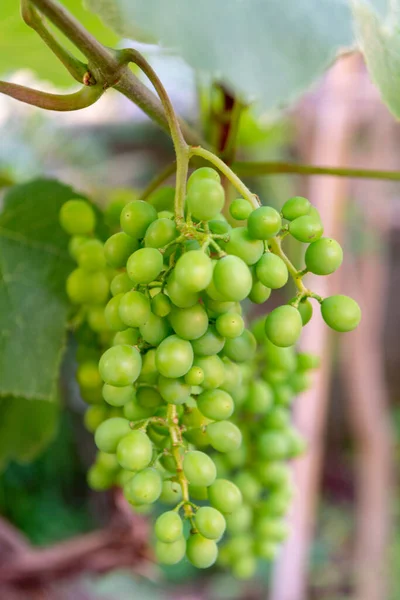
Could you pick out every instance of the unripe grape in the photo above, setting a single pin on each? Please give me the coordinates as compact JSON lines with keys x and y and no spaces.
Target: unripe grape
{"x":120,"y":365}
{"x":189,"y":323}
{"x":259,"y":398}
{"x":118,"y":396}
{"x":90,"y":256}
{"x":127,"y":336}
{"x":225,"y":496}
{"x":87,"y":288}
{"x":264,"y":223}
{"x":174,"y":357}
{"x":240,"y":521}
{"x":94,"y":416}
{"x":250,"y":487}
{"x":272,"y":445}
{"x":241,"y":348}
{"x":144,"y":265}
{"x":180,"y":295}
{"x":163,"y":199}
{"x":148,"y":397}
{"x":171,"y":554}
{"x":168,"y":527}
{"x":296,"y":207}
{"x":195,"y":376}
{"x":134,"y":309}
{"x":120,"y":284}
{"x":171,"y":492}
{"x":341,"y":313}
{"x":244,"y":567}
{"x":77,"y":217}
{"x":213,"y":369}
{"x":118,"y":249}
{"x":203,"y":173}
{"x":75,"y":243}
{"x":230,"y":325}
{"x":323,"y":256}
{"x":193,"y":270}
{"x":155,"y":330}
{"x":99,"y":479}
{"x":215,"y":404}
{"x":210,"y":523}
{"x":135,"y":451}
{"x":174,"y":391}
{"x":306,"y":360}
{"x":136,"y":216}
{"x":199,"y":468}
{"x":240,"y":209}
{"x":272,"y":271}
{"x":306,"y":311}
{"x":224,"y":436}
{"x":201,"y":552}
{"x":111,"y":314}
{"x":110,"y":432}
{"x":259,"y":293}
{"x":232,"y":278}
{"x":306,"y":229}
{"x":88,"y":375}
{"x":219,"y":226}
{"x":244,"y":246}
{"x":283,"y":326}
{"x":209,"y":343}
{"x":206,"y":198}
{"x":144,"y":487}
{"x":161,"y":305}
{"x":160,"y":233}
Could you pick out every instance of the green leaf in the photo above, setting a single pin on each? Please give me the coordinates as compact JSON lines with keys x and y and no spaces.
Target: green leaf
{"x":26,"y":427}
{"x":34,"y":265}
{"x":22,"y":48}
{"x":378,"y":34}
{"x":270,"y":50}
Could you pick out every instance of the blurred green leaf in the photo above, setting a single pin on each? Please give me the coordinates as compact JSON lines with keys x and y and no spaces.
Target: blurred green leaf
{"x":22,"y":48}
{"x":270,"y":51}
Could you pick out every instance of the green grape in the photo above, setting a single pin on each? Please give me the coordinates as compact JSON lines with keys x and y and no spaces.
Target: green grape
{"x":244,"y":567}
{"x":88,"y":375}
{"x":135,"y":451}
{"x":244,"y":246}
{"x":120,"y":284}
{"x":94,"y":416}
{"x":169,"y":527}
{"x":283,"y":394}
{"x":118,"y":199}
{"x":199,"y":468}
{"x":306,"y":229}
{"x":225,"y":496}
{"x":87,"y":288}
{"x":99,"y":479}
{"x":171,"y":554}
{"x":224,"y":436}
{"x":195,"y":376}
{"x":217,"y":307}
{"x":149,"y":373}
{"x":233,"y":376}
{"x":160,"y":233}
{"x":110,"y":432}
{"x":273,"y":473}
{"x":277,"y":418}
{"x":274,"y":530}
{"x":155,"y":330}
{"x":240,"y":209}
{"x":283,"y":326}
{"x":240,"y":521}
{"x":241,"y":348}
{"x":209,"y":343}
{"x":264,"y":223}
{"x":118,"y":396}
{"x":215,"y":404}
{"x":144,"y":487}
{"x":272,"y":271}
{"x":297,"y":444}
{"x":134,"y":412}
{"x":127,"y":336}
{"x":161,"y":305}
{"x":90,"y":256}
{"x":240,"y":545}
{"x":210,"y":523}
{"x":213,"y":369}
{"x":259,"y":398}
{"x":307,"y":361}
{"x":206,"y":198}
{"x":250,"y":487}
{"x":201,"y":552}
{"x":136,"y":217}
{"x":134,"y":309}
{"x":75,"y":243}
{"x":266,"y":549}
{"x":120,"y":365}
{"x":77,"y":217}
{"x":171,"y":492}
{"x":163,"y":199}
{"x":300,"y":381}
{"x":259,"y":293}
{"x":148,"y":397}
{"x":96,"y":319}
{"x":118,"y":249}
{"x":180,"y":295}
{"x":230,"y":325}
{"x":111,"y":314}
{"x":323,"y":256}
{"x":296,"y":207}
{"x":306,"y":311}
{"x":174,"y":357}
{"x":341,"y":313}
{"x":203,"y":173}
{"x":198,"y":492}
{"x":219,"y":226}
{"x":232,"y":278}
{"x":193,"y":270}
{"x":189,"y":323}
{"x":173,"y":391}
{"x":272,"y":445}
{"x":144,"y":265}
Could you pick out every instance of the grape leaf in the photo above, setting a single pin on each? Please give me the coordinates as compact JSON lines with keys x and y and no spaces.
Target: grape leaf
{"x":378,"y":33}
{"x":22,"y":48}
{"x":267,"y":50}
{"x":26,"y":427}
{"x":33,"y":304}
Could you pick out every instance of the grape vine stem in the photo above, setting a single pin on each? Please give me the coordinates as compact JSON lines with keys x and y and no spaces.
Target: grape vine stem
{"x":176,"y":439}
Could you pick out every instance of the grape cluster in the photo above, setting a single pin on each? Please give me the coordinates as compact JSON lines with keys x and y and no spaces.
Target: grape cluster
{"x":189,"y":405}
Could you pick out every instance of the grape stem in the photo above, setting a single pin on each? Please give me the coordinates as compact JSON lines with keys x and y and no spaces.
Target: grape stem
{"x":176,"y":439}
{"x":275,"y":247}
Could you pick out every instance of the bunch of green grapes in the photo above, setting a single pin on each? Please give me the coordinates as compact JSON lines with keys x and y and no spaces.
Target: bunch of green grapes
{"x":178,"y":367}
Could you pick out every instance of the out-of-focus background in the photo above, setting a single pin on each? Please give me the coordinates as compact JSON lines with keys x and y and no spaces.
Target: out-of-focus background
{"x":75,"y":544}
